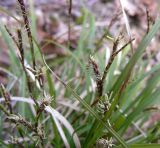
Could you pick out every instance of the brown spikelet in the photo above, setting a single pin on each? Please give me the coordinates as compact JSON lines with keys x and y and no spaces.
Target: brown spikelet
{"x":148,"y":20}
{"x":97,"y":74}
{"x":20,"y":44}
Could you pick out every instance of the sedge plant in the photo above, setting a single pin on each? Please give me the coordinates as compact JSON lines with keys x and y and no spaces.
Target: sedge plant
{"x":77,"y":101}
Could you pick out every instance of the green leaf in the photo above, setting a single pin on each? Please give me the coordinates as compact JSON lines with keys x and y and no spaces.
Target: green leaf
{"x":129,"y":67}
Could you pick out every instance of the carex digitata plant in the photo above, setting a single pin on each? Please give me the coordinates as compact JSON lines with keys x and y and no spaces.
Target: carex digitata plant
{"x":67,"y":106}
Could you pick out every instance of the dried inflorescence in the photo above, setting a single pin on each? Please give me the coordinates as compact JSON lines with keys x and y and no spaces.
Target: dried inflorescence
{"x":96,"y":72}
{"x":34,"y":77}
{"x":19,"y":120}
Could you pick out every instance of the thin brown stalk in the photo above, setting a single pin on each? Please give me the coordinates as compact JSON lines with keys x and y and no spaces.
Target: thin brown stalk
{"x":27,"y":26}
{"x":69,"y":22}
{"x":11,"y":35}
{"x":129,"y":75}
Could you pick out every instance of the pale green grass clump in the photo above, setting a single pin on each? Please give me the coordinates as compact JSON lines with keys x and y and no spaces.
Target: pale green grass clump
{"x":81,"y":102}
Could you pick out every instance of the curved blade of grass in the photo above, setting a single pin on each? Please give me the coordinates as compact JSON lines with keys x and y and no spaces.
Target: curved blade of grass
{"x":126,"y":23}
{"x":60,"y":130}
{"x":66,"y":49}
{"x":151,"y":85}
{"x":83,"y":33}
{"x":126,"y":103}
{"x":22,"y":92}
{"x":14,"y":60}
{"x":51,"y":87}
